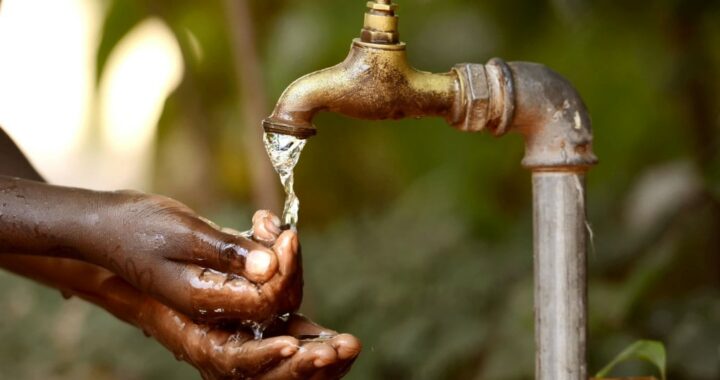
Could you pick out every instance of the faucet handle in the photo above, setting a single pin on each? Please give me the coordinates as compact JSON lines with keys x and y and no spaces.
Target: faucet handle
{"x":381,"y":23}
{"x":382,"y":5}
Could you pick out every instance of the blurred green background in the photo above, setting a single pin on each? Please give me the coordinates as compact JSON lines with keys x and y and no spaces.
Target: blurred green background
{"x":416,"y":237}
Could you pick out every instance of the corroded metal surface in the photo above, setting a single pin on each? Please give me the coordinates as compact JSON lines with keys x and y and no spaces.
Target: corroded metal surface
{"x":376,"y":82}
{"x":553,"y":118}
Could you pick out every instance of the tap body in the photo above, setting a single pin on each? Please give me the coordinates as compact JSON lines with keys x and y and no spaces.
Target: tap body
{"x":374,"y":82}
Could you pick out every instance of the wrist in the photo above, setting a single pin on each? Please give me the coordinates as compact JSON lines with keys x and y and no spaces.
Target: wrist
{"x":103,"y":228}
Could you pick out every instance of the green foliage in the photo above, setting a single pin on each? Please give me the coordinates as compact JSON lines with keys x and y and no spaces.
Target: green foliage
{"x":120,"y":18}
{"x":649,"y":350}
{"x":417,"y":238}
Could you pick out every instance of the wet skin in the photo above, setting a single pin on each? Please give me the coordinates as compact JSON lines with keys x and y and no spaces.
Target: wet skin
{"x":154,"y":263}
{"x":216,"y":352}
{"x":156,"y":244}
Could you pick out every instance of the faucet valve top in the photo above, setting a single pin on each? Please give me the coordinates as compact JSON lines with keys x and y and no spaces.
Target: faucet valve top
{"x":381,"y":23}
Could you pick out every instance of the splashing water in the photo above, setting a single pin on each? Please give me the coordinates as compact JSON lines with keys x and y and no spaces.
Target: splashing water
{"x":284,"y":152}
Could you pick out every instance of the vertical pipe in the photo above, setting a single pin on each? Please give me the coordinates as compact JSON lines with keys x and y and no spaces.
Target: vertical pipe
{"x":560,"y":275}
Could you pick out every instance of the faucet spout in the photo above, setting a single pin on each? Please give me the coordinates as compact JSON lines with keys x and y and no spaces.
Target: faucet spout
{"x":375,"y":82}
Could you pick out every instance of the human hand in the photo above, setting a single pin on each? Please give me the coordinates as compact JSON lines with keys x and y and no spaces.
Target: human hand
{"x":296,"y":349}
{"x":224,"y":355}
{"x":163,"y":248}
{"x":158,"y":245}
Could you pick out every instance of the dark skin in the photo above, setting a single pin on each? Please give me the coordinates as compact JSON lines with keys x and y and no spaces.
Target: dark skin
{"x":154,"y":263}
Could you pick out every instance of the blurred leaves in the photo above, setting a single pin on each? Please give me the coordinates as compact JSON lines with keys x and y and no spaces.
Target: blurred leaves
{"x":120,"y":18}
{"x":417,"y":238}
{"x":649,"y":350}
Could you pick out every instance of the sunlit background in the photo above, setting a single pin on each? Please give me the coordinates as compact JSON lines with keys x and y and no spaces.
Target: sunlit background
{"x":50,"y":99}
{"x":416,"y":238}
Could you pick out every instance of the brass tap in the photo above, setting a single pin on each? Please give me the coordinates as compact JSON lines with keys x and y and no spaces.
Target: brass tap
{"x":375,"y":82}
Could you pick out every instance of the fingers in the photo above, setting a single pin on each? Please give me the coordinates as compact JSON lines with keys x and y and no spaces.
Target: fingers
{"x":260,"y":265}
{"x":300,"y":326}
{"x":256,"y":356}
{"x":288,"y":283}
{"x":207,"y":294}
{"x":308,"y":360}
{"x":236,"y":255}
{"x":286,"y":247}
{"x":266,"y":227}
{"x":230,"y":253}
{"x":225,"y":276}
{"x":319,"y":359}
{"x":216,"y":296}
{"x":347,"y":346}
{"x":226,"y":251}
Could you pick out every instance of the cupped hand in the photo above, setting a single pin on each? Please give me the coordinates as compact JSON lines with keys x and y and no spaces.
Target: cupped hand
{"x":296,"y":349}
{"x":165,"y":249}
{"x":225,"y":355}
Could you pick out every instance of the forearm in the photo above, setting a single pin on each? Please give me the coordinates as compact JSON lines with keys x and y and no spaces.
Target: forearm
{"x":101,"y":287}
{"x":41,"y":219}
{"x":87,"y":281}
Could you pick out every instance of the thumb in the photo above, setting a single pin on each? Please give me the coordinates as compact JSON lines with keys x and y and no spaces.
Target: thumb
{"x":233,"y":255}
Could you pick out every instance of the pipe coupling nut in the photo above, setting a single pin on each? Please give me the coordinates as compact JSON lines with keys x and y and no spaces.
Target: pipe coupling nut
{"x":487,"y":96}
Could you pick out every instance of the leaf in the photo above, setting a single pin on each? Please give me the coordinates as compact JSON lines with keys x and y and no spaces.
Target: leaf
{"x":648,"y":350}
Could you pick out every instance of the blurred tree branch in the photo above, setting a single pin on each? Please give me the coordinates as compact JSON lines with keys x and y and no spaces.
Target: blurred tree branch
{"x":249,"y":79}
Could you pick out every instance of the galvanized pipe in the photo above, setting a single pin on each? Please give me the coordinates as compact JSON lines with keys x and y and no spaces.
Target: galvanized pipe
{"x":560,"y":240}
{"x":376,"y":82}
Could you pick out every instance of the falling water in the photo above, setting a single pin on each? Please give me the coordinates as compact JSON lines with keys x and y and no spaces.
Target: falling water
{"x":284,"y":152}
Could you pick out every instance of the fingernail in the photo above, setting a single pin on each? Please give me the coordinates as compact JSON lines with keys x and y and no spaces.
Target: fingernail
{"x":288,"y":351}
{"x":275,"y":220}
{"x":273,"y":225}
{"x":259,"y":214}
{"x":257,"y":262}
{"x":319,"y":363}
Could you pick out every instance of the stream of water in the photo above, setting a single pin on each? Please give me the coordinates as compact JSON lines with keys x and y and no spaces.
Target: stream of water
{"x":284,"y":152}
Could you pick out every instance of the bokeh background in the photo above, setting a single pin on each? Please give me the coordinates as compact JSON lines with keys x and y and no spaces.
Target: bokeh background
{"x":416,"y":237}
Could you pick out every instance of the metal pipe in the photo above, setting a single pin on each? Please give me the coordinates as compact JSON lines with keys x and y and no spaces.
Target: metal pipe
{"x":560,"y":275}
{"x":376,"y":82}
{"x":558,"y":149}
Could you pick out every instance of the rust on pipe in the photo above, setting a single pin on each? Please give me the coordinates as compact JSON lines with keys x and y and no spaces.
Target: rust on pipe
{"x":375,"y":82}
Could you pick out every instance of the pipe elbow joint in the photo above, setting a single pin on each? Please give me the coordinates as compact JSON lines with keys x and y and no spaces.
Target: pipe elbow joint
{"x":535,"y":101}
{"x":553,"y":118}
